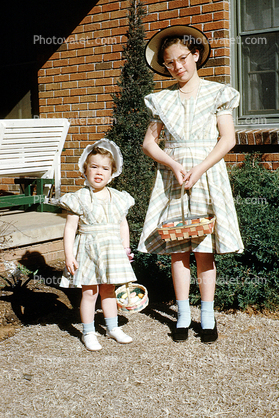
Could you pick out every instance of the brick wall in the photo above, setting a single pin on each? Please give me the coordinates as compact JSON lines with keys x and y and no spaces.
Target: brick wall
{"x":78,"y":79}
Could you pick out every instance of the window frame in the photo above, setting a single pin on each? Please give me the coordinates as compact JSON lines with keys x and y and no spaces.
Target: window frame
{"x":259,"y":120}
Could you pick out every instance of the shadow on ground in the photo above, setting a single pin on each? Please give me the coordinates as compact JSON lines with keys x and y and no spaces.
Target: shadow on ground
{"x":34,"y":297}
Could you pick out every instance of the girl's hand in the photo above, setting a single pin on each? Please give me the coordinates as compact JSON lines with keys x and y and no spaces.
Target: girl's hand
{"x":179,"y":172}
{"x":193,"y":176}
{"x":129,"y":254}
{"x":71,"y":265}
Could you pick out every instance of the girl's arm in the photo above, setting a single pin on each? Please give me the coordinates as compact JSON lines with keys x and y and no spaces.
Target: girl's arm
{"x":125,"y":237}
{"x":152,"y":149}
{"x":223,"y":146}
{"x":68,"y":239}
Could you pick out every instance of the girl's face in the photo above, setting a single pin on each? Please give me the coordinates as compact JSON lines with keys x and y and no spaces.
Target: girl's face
{"x":99,"y":171}
{"x":182,"y":72}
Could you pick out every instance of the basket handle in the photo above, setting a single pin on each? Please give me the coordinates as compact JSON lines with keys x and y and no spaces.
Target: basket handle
{"x":128,"y":293}
{"x":182,"y":201}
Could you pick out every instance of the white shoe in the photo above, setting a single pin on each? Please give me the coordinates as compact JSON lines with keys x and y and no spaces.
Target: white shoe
{"x":118,"y":335}
{"x":90,"y":341}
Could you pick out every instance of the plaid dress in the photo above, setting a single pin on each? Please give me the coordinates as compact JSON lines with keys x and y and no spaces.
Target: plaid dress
{"x":98,"y":248}
{"x":190,"y":133}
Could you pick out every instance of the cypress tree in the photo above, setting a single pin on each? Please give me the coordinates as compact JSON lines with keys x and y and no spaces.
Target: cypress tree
{"x":130,"y":121}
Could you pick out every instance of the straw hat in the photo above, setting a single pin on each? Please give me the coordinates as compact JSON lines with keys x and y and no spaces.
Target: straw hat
{"x":107,"y":145}
{"x":188,"y":33}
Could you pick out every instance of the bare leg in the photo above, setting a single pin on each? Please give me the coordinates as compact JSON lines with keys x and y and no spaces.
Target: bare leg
{"x":109,"y":306}
{"x":108,"y":300}
{"x":88,"y":303}
{"x":181,"y":283}
{"x":87,"y":313}
{"x":180,"y":267}
{"x":206,"y":272}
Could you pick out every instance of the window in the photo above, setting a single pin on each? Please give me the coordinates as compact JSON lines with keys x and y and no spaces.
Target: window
{"x":257,"y":51}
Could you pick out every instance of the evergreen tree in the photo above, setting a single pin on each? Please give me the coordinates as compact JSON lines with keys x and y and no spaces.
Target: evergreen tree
{"x":131,"y":119}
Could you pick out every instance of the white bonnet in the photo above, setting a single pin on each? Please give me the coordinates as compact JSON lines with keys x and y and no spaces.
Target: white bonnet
{"x":109,"y":146}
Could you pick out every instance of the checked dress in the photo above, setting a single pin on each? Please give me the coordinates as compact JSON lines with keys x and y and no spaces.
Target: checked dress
{"x":190,"y":133}
{"x":98,"y":248}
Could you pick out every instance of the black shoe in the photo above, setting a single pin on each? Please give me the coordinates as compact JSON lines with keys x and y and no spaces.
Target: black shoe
{"x":209,"y":335}
{"x":180,"y":334}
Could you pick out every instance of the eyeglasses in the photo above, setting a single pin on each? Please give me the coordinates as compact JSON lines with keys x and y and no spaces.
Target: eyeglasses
{"x":181,"y":60}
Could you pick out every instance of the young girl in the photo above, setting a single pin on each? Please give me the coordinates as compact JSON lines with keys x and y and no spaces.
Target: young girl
{"x":98,"y":256}
{"x":194,"y":114}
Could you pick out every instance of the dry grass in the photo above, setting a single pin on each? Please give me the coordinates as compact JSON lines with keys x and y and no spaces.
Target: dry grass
{"x":47,"y":372}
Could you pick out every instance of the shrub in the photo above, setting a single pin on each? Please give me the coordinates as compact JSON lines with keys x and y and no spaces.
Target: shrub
{"x":131,"y":119}
{"x":251,"y":278}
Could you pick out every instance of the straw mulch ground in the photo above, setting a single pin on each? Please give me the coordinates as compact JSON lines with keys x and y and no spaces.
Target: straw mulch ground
{"x":47,"y":372}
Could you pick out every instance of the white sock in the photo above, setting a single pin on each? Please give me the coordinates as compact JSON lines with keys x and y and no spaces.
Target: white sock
{"x":207,"y":315}
{"x":184,"y":314}
{"x":111,"y":323}
{"x":88,"y":328}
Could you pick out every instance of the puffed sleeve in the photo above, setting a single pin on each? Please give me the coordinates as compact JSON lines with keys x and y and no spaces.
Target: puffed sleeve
{"x":71,"y":203}
{"x":122,"y":201}
{"x":227,"y":100}
{"x":154,"y":115}
{"x":130,"y":201}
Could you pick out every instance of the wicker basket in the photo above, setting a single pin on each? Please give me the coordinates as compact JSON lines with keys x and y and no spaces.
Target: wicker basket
{"x":189,"y":227}
{"x":128,"y":302}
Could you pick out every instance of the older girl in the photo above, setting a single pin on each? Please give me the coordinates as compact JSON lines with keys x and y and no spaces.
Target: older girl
{"x":193,"y":114}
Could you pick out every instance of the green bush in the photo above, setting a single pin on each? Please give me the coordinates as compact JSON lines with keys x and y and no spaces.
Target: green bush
{"x":251,"y":278}
{"x":131,"y":119}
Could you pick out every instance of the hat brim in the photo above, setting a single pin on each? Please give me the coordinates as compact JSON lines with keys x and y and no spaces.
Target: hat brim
{"x":187,"y":32}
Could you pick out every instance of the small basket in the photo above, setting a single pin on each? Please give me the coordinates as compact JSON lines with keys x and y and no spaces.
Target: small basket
{"x":189,"y":227}
{"x":128,"y":302}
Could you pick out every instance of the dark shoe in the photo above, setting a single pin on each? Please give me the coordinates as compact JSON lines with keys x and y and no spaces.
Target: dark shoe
{"x":180,"y":334}
{"x":209,"y":335}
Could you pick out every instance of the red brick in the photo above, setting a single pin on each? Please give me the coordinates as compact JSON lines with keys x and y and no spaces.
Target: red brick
{"x":60,"y":63}
{"x":59,"y":78}
{"x":63,"y":93}
{"x":76,"y":60}
{"x":157,"y":7}
{"x":194,"y":2}
{"x":52,"y":71}
{"x":67,"y":70}
{"x":222,"y":24}
{"x":185,"y":21}
{"x":62,"y":108}
{"x":158,"y":25}
{"x":111,"y":7}
{"x":222,"y":70}
{"x":214,"y":7}
{"x":180,"y":4}
{"x":202,"y":18}
{"x":168,"y":15}
{"x":190,"y":11}
{"x":71,"y":99}
{"x":219,"y":52}
{"x":119,"y":14}
{"x":204,"y":72}
{"x":221,"y":15}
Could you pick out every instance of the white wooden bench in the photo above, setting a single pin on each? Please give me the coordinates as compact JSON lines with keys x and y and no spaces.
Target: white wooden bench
{"x":30,"y":151}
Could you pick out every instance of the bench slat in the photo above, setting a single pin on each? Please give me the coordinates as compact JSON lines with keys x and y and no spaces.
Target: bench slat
{"x":32,"y":147}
